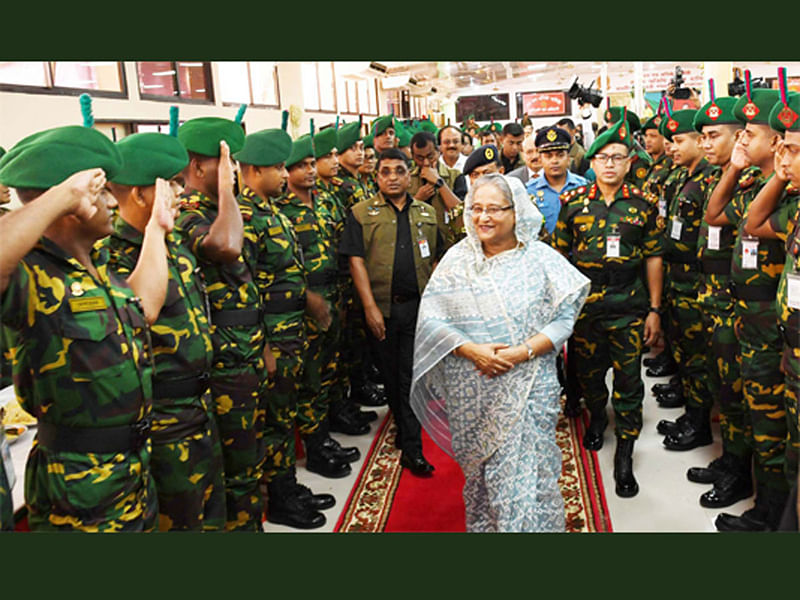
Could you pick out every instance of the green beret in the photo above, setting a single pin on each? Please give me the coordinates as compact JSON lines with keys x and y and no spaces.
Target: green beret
{"x":614,"y":114}
{"x":494,"y":127}
{"x":368,"y":141}
{"x":653,"y":123}
{"x":381,"y":124}
{"x":428,"y":125}
{"x":756,"y":108}
{"x":203,"y":135}
{"x":325,"y":142}
{"x":717,"y":112}
{"x":404,"y":135}
{"x":786,"y":117}
{"x":618,"y":133}
{"x":302,"y":148}
{"x":147,"y":156}
{"x":2,"y":151}
{"x":348,"y":135}
{"x":680,"y":121}
{"x":48,"y":157}
{"x":265,"y":148}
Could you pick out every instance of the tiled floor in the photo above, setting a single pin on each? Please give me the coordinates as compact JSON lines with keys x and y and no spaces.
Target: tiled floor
{"x":667,"y":501}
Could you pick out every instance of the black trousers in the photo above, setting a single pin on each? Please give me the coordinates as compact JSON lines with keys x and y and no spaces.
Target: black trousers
{"x":395,"y":359}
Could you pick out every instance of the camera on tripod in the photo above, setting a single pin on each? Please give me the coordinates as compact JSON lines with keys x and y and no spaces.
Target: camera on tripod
{"x":737,"y":86}
{"x":585,"y":95}
{"x":679,"y":92}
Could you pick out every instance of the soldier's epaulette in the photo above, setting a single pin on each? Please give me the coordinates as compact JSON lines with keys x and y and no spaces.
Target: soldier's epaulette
{"x":635,"y":191}
{"x":792,"y":189}
{"x":567,"y":196}
{"x":747,"y":179}
{"x":190,"y":204}
{"x":337,"y":181}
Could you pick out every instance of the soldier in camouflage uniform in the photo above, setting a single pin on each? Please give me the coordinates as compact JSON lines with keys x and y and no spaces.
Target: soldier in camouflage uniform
{"x":80,"y":360}
{"x":5,"y":363}
{"x":769,"y":217}
{"x":607,"y":231}
{"x":366,"y":172}
{"x":642,"y":161}
{"x":438,"y":185}
{"x":755,"y":271}
{"x":274,"y":257}
{"x":187,"y":459}
{"x":213,"y":223}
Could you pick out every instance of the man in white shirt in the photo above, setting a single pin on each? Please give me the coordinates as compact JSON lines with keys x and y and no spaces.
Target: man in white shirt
{"x":450,"y":143}
{"x":533,"y":162}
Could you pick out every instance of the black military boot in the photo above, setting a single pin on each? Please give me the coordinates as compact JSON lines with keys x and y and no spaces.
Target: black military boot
{"x":343,"y":419}
{"x":593,"y":437}
{"x":662,"y":365}
{"x":342,"y":454}
{"x":672,"y":398}
{"x":694,"y":432}
{"x":673,"y":384}
{"x":734,"y":484}
{"x":715,"y":469}
{"x":285,"y":507}
{"x":623,"y":469}
{"x":322,"y":460}
{"x":367,"y":393}
{"x":666,"y":427}
{"x":764,"y":516}
{"x":307,"y":497}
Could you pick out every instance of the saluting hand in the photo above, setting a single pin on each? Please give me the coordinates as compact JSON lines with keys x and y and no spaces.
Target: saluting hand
{"x":780,"y":171}
{"x":739,"y":158}
{"x":225,"y":177}
{"x":163,"y":206}
{"x":82,"y":189}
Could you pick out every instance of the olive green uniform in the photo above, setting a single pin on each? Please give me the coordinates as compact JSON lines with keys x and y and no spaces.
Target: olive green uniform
{"x":451,"y":229}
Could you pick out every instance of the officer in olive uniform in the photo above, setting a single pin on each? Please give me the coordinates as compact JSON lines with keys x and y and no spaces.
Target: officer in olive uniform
{"x":213,"y":222}
{"x":756,"y":267}
{"x":187,"y":459}
{"x":607,"y":230}
{"x":642,"y":161}
{"x":769,"y":217}
{"x":438,"y":185}
{"x":274,"y":257}
{"x":392,"y":241}
{"x":81,"y":363}
{"x":511,"y":146}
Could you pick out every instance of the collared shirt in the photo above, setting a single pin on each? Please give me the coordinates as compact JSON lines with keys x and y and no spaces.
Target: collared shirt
{"x":509,"y":164}
{"x":547,"y":198}
{"x":459,"y":166}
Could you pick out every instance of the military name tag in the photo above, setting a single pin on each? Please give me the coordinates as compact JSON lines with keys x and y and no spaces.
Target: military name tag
{"x":793,"y":291}
{"x":713,"y":237}
{"x":277,"y":230}
{"x":677,"y":227}
{"x":86,"y":304}
{"x":749,"y":254}
{"x":424,"y":250}
{"x":612,"y":246}
{"x":662,"y":208}
{"x":8,"y":464}
{"x":303,"y":227}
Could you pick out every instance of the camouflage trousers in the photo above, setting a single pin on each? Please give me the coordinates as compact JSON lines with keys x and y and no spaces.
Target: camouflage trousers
{"x":239,"y":397}
{"x":611,"y":341}
{"x":186,"y":464}
{"x":108,"y":492}
{"x":281,"y":407}
{"x":725,"y":382}
{"x":763,"y":388}
{"x":689,"y":343}
{"x":321,"y":386}
{"x":791,"y":366}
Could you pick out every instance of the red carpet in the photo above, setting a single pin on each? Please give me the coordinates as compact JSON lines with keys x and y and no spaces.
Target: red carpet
{"x":391,"y":499}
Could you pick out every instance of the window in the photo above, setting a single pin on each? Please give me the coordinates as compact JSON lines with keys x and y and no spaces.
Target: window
{"x":485,"y":108}
{"x":319,"y":91}
{"x":254,"y":83}
{"x":168,"y":80}
{"x":100,"y":78}
{"x":357,"y":96}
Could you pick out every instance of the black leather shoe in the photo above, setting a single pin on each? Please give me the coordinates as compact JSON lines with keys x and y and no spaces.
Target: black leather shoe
{"x":593,"y":437}
{"x":344,"y":422}
{"x":712,"y":472}
{"x":661,"y":388}
{"x":689,"y":436}
{"x":312,"y":500}
{"x":416,"y":463}
{"x":662,"y":368}
{"x":754,"y":519}
{"x":727,"y":490}
{"x":627,"y":486}
{"x":666,"y":427}
{"x":671,"y":399}
{"x":288,"y":509}
{"x":365,"y":416}
{"x":350,"y":454}
{"x":368,"y":394}
{"x":322,"y":462}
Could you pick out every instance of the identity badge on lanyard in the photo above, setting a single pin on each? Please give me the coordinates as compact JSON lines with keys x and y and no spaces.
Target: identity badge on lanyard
{"x":5,"y":456}
{"x":713,"y":237}
{"x":612,"y":243}
{"x":424,"y":249}
{"x":750,"y":253}
{"x":793,"y":290}
{"x":662,"y":208}
{"x":677,"y":227}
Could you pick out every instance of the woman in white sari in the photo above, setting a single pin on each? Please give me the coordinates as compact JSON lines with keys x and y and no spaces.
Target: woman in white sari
{"x":485,"y":385}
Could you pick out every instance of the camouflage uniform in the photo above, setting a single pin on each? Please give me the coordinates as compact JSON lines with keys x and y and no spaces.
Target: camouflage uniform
{"x":640,"y":169}
{"x":237,"y":373}
{"x":714,"y":252}
{"x":80,"y":368}
{"x":655,"y":180}
{"x":186,"y":462}
{"x":281,"y":280}
{"x":6,"y":501}
{"x":756,"y":320}
{"x":789,"y":324}
{"x":609,"y":331}
{"x":686,"y":195}
{"x":315,"y":230}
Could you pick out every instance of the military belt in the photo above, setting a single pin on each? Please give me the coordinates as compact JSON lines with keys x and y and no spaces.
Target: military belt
{"x":692,"y":263}
{"x":180,"y":388}
{"x":616,"y":277}
{"x":716,"y":266}
{"x":236,"y":318}
{"x":327,"y":277}
{"x":83,"y":440}
{"x":285,"y":305}
{"x":754,"y":292}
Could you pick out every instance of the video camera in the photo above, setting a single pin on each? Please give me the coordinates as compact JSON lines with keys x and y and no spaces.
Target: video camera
{"x":737,"y":86}
{"x":585,"y":95}
{"x":679,"y":92}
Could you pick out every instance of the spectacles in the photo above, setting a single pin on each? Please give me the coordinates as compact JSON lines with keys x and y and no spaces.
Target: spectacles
{"x":387,"y":172}
{"x":616,"y":159}
{"x":492,"y":211}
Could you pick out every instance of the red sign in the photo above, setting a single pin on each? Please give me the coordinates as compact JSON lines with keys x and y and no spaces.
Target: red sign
{"x":545,"y":104}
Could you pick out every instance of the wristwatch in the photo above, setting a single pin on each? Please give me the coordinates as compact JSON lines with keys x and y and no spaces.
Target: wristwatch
{"x":654,"y":309}
{"x":530,"y":350}
{"x":439,"y":183}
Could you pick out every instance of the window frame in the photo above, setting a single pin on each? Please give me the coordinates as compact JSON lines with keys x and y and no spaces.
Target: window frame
{"x":53,"y":90}
{"x":179,"y":98}
{"x":319,"y":95}
{"x":250,"y":86}
{"x":359,"y":110}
